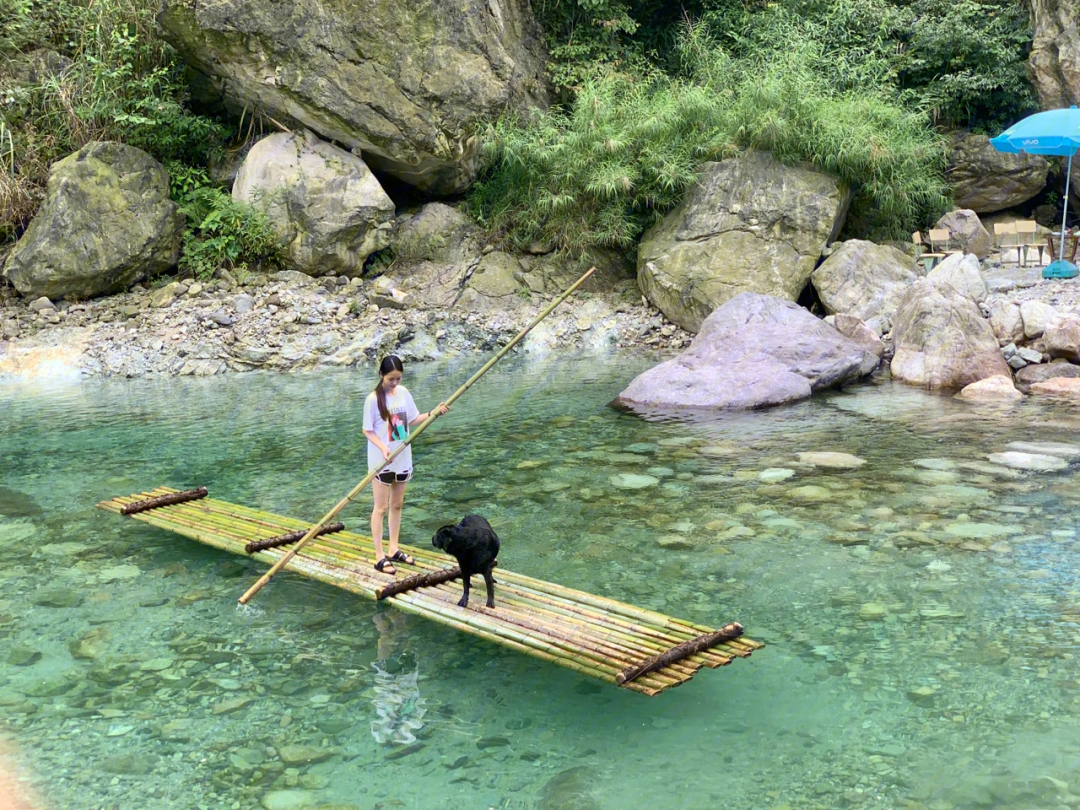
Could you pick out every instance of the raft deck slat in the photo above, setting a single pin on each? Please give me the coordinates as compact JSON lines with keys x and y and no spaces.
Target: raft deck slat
{"x":594,"y":635}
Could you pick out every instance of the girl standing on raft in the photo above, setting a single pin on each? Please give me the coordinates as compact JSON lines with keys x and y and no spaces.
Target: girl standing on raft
{"x":389,"y":412}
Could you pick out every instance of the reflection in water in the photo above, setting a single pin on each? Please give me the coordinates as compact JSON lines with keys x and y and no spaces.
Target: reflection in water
{"x":397,"y":700}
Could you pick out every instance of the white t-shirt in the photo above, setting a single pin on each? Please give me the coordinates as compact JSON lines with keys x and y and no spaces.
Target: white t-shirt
{"x":402,"y":412}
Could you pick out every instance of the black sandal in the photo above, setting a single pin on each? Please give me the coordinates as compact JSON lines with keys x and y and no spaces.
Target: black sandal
{"x":382,"y":564}
{"x":401,"y":557}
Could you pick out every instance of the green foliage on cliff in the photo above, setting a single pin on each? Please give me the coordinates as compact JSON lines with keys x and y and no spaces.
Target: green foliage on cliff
{"x":72,"y":71}
{"x":962,"y":60}
{"x":602,"y":169}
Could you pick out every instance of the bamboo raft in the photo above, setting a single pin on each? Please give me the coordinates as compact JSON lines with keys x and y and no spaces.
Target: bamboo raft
{"x":635,"y":648}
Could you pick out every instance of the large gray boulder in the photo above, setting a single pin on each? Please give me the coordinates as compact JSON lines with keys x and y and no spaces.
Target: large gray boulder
{"x":865,"y":280}
{"x":329,"y":211}
{"x":750,"y":224}
{"x":753,"y":351}
{"x":438,"y":233}
{"x":106,"y":223}
{"x":966,"y":232}
{"x":961,"y":270}
{"x":941,"y":339}
{"x":403,"y":82}
{"x":986,"y":180}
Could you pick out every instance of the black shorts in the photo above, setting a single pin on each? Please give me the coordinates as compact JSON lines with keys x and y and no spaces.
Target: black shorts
{"x":388,"y":477}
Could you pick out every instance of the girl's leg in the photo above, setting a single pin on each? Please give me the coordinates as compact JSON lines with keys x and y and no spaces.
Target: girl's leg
{"x":378,"y":512}
{"x":393,"y":523}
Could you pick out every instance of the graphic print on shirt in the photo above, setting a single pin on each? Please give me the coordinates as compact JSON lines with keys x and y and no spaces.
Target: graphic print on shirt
{"x":398,"y":427}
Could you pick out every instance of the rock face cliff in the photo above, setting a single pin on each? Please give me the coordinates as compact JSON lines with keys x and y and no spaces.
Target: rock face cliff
{"x":402,"y":82}
{"x":1055,"y":52}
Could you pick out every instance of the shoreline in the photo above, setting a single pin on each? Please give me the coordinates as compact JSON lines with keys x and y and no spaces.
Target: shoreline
{"x":289,"y":322}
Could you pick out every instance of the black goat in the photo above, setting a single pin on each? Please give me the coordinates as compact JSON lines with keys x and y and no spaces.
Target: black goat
{"x":475,"y":545}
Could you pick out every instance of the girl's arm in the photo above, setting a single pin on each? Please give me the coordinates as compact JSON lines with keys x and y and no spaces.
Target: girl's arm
{"x":373,"y":437}
{"x":441,"y":408}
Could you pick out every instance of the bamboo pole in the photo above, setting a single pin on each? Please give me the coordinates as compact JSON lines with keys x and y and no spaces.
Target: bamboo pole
{"x":329,"y":516}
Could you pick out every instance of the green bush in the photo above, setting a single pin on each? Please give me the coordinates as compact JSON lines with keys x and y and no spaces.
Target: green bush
{"x":72,"y":71}
{"x":602,"y":170}
{"x":222,"y":232}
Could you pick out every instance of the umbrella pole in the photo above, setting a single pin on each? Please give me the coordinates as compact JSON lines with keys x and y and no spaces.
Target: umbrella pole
{"x":1065,"y":208}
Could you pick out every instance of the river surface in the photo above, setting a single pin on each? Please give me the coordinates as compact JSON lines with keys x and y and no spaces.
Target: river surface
{"x":921,"y":611}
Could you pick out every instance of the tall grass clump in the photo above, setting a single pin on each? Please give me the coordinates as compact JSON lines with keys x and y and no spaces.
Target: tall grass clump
{"x":72,"y":71}
{"x":599,"y":171}
{"x":889,"y":154}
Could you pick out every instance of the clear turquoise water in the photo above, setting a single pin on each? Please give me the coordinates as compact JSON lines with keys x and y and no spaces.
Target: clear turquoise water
{"x":922,"y":623}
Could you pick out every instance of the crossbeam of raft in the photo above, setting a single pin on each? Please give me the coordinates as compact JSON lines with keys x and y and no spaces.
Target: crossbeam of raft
{"x":638,"y":649}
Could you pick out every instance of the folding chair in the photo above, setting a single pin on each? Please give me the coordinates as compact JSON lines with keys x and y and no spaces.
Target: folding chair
{"x":940,"y":241}
{"x":1071,"y":244}
{"x":928,"y":259}
{"x":1005,"y":234}
{"x":1025,"y":240}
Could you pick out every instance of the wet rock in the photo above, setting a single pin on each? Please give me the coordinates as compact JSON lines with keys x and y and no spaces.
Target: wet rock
{"x":998,"y":388}
{"x":1058,"y":386}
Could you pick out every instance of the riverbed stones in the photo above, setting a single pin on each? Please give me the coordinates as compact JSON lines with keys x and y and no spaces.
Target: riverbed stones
{"x":749,"y":224}
{"x":942,"y":340}
{"x":107,"y":222}
{"x":754,"y":350}
{"x":329,"y":211}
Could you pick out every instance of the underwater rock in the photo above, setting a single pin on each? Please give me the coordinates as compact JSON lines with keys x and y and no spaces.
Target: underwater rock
{"x":631,"y":481}
{"x":15,"y":504}
{"x":57,"y":597}
{"x":774,"y":475}
{"x":836,"y":461}
{"x":1028,"y":461}
{"x":569,"y":790}
{"x":1045,"y":448}
{"x":304,"y":754}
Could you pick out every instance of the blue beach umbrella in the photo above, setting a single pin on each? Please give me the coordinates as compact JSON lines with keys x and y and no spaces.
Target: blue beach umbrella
{"x":1054,"y":132}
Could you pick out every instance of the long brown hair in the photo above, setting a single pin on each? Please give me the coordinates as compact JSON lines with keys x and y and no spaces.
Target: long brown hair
{"x":390,"y":363}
